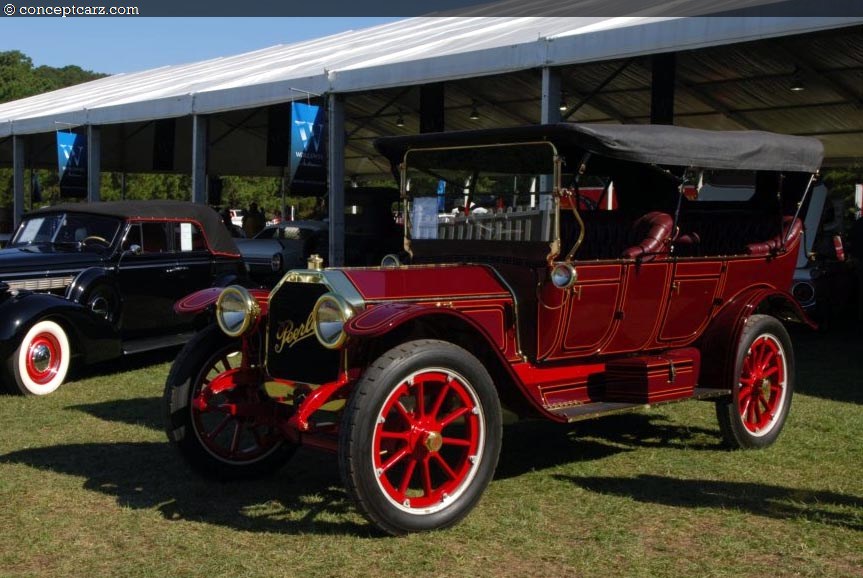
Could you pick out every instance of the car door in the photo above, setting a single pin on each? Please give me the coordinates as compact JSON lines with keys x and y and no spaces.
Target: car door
{"x":579,"y":320}
{"x":194,"y":267}
{"x":146,"y":280}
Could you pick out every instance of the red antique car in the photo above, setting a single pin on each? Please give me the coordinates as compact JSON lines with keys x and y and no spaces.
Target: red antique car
{"x":517,"y":294}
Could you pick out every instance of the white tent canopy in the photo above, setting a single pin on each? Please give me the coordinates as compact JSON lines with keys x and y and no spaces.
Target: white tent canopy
{"x":403,"y":53}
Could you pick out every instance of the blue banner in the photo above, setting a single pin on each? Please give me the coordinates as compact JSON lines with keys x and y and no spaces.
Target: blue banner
{"x":72,"y":159}
{"x":441,"y":199}
{"x":308,"y":169}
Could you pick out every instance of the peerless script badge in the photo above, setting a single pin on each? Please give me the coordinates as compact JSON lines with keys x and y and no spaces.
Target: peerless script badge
{"x":290,"y":334}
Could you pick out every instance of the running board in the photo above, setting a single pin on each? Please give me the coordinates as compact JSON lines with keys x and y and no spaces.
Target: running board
{"x":600,"y":408}
{"x":152,"y":343}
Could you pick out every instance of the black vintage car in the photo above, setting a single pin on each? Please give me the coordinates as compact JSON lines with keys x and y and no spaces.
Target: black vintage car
{"x":93,"y":281}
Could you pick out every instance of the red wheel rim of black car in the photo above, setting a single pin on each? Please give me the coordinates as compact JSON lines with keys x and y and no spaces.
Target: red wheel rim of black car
{"x":44,"y":357}
{"x":762,"y":385}
{"x":428,"y":441}
{"x":233,"y":438}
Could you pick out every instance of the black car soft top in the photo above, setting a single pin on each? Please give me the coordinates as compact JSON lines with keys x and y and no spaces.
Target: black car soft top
{"x":214,"y":229}
{"x":652,"y":144}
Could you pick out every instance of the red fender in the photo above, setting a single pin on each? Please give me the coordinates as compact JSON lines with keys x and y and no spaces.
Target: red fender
{"x":719,"y":342}
{"x":203,"y":298}
{"x":381,"y":319}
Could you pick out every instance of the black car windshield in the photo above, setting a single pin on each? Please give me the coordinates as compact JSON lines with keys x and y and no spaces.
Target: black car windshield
{"x":66,"y":228}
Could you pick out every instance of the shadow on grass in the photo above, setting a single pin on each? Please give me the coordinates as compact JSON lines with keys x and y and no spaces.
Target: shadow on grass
{"x":537,"y":445}
{"x":143,"y":411}
{"x":763,"y":500}
{"x":829,"y":364}
{"x":527,"y":445}
{"x":306,"y":496}
{"x":125,"y":363}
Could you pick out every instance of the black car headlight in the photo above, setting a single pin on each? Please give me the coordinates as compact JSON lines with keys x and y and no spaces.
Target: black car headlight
{"x":236,"y":310}
{"x":804,"y":292}
{"x":330,"y":313}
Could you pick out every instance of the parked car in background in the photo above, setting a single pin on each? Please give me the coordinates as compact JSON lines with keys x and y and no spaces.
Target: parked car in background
{"x":370,"y":233}
{"x":824,"y":282}
{"x":87,"y":282}
{"x":371,"y":230}
{"x":279,"y":248}
{"x":552,"y":307}
{"x":4,"y":239}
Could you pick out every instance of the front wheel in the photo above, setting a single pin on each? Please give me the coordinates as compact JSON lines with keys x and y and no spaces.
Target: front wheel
{"x":754,"y":414}
{"x":420,"y":437}
{"x":225,"y":432}
{"x":40,"y":364}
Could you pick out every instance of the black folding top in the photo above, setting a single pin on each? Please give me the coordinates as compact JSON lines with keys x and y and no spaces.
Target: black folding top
{"x":213,"y":227}
{"x":652,"y":144}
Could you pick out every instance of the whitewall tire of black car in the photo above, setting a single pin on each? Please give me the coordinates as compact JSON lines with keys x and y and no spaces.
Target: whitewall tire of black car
{"x":40,"y":364}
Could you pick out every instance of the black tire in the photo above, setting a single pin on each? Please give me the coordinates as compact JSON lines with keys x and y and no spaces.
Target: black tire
{"x":753,"y":415}
{"x":260,"y":448}
{"x":40,"y":364}
{"x":448,"y":444}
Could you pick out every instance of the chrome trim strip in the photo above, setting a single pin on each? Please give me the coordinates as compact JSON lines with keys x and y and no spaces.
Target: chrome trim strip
{"x":439,"y":299}
{"x":42,"y":272}
{"x":43,"y":284}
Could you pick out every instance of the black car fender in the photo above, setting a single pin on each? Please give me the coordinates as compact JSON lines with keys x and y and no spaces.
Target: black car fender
{"x":227,"y":279}
{"x":96,"y":289}
{"x":92,"y":337}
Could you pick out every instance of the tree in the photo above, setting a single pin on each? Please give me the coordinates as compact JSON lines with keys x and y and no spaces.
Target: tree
{"x":840,"y":182}
{"x":19,"y":79}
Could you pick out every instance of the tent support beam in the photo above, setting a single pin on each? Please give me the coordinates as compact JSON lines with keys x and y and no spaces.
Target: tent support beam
{"x":199,"y":159}
{"x":94,"y":163}
{"x":663,"y":68}
{"x":336,"y":177}
{"x":17,"y":178}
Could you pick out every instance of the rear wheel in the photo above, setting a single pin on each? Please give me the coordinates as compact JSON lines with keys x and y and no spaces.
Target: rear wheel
{"x":40,"y":364}
{"x":755,"y":413}
{"x":420,"y":437}
{"x":223,"y":430}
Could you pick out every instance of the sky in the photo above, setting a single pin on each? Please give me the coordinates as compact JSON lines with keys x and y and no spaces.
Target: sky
{"x":114,"y":45}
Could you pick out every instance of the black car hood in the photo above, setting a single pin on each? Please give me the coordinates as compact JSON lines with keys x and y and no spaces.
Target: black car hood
{"x":42,"y":259}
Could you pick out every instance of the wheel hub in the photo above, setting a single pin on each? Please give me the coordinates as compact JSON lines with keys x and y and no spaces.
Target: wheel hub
{"x":433,"y":441}
{"x":40,"y":357}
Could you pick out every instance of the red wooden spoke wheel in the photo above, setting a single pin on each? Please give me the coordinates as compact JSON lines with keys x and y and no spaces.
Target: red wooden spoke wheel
{"x":226,"y":422}
{"x":222,"y":423}
{"x":755,"y":412}
{"x":420,"y":437}
{"x":762,"y":385}
{"x":428,"y":440}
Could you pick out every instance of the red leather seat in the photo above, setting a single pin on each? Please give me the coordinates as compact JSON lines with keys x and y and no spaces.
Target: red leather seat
{"x":654,"y":229}
{"x":772,"y":245}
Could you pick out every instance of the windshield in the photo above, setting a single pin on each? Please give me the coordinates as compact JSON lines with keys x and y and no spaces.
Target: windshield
{"x":487,"y":193}
{"x":65,"y":228}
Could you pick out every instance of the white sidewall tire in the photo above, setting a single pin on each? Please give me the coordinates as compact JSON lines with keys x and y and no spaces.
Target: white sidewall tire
{"x":26,"y":382}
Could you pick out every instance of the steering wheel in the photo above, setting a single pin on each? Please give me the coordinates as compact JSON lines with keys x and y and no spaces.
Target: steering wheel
{"x":95,"y":239}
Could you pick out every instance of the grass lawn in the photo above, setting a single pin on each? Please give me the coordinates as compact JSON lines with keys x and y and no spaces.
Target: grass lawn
{"x":90,"y":487}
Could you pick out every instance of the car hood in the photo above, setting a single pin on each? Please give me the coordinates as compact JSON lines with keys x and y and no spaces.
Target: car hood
{"x":426,"y":282}
{"x":43,"y":259}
